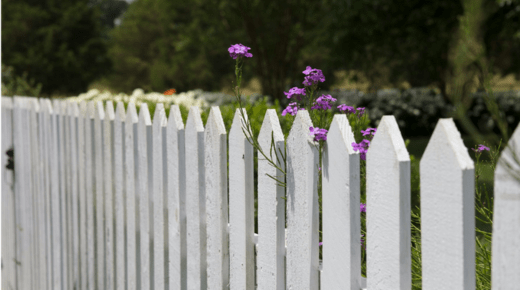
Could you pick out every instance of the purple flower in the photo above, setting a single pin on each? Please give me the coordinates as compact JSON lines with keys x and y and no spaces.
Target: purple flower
{"x":313,"y":76}
{"x":480,"y":148}
{"x":295,"y":91}
{"x":360,"y":111}
{"x":362,"y":207}
{"x":349,"y":109}
{"x":369,"y":131}
{"x":362,"y":147}
{"x":239,"y":50}
{"x":323,"y":102}
{"x":318,"y":134}
{"x":321,"y":244}
{"x":291,"y":109}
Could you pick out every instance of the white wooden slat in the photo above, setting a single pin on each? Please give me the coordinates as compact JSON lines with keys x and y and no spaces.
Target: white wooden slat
{"x":215,"y":161}
{"x":108,"y":134}
{"x":195,"y":202}
{"x":144,"y":138}
{"x":302,"y":206}
{"x":388,"y":209}
{"x":119,"y":204}
{"x":60,"y":155}
{"x":83,"y":123}
{"x":66,"y":185}
{"x":159,"y":123}
{"x":506,"y":217}
{"x":340,"y":202}
{"x":73,"y":112}
{"x":8,"y":206}
{"x":22,"y":193}
{"x":99,"y":196}
{"x":37,"y":197}
{"x":130,"y":195}
{"x":90,"y":149}
{"x":176,"y":200}
{"x":241,"y":207}
{"x":271,"y":207}
{"x":55,"y":209}
{"x":447,"y":211}
{"x":45,"y":138}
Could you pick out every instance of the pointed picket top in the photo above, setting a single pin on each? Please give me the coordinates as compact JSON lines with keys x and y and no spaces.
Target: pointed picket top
{"x":506,"y":217}
{"x":109,"y":110}
{"x":159,"y":121}
{"x":74,"y":109}
{"x":271,"y":125}
{"x":120,"y":114}
{"x":215,"y":163}
{"x":388,"y":209}
{"x":175,"y":118}
{"x":340,"y":202}
{"x":83,"y":109}
{"x":144,"y":115}
{"x":91,"y":109}
{"x":271,"y":207}
{"x":194,"y":120}
{"x":159,"y":117}
{"x":302,"y":206}
{"x":447,"y":210}
{"x":131,"y":113}
{"x":241,"y":206}
{"x":7,"y":102}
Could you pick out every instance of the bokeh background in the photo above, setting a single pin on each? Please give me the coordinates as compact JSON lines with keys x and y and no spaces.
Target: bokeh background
{"x":418,"y":60}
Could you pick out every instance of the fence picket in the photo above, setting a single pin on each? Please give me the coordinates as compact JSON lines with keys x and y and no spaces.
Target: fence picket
{"x":388,"y":209}
{"x":82,"y":198}
{"x":447,"y":210}
{"x":130,"y":195}
{"x":108,"y":161}
{"x":99,"y":154}
{"x":144,"y":143}
{"x":45,"y":139}
{"x":90,"y":152}
{"x":176,"y":199}
{"x":39,"y":262}
{"x":8,"y":204}
{"x":73,"y":113}
{"x":159,"y":123}
{"x":119,"y":202}
{"x":215,"y":161}
{"x":302,"y":206}
{"x":506,"y":217}
{"x":241,"y":207}
{"x":195,"y":202}
{"x":271,"y":207}
{"x":340,"y":203}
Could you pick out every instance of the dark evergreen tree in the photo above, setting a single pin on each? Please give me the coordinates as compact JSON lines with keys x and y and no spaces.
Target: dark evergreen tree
{"x":58,"y":43}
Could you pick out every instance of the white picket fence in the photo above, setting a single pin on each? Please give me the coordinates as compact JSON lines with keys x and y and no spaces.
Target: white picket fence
{"x":104,"y":199}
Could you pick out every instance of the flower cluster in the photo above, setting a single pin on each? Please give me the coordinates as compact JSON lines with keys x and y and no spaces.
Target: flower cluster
{"x":362,"y":207}
{"x":312,"y":76}
{"x":347,"y":109}
{"x":481,"y":148}
{"x":362,"y":147}
{"x":292,"y":109}
{"x":323,"y":102}
{"x":318,"y":134}
{"x":239,"y":50}
{"x":295,"y":91}
{"x":370,"y":132}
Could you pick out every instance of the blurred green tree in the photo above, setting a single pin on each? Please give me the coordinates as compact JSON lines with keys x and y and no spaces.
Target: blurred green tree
{"x":58,"y":43}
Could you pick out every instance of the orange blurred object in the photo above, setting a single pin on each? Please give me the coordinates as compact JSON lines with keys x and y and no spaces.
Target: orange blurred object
{"x":170,"y":92}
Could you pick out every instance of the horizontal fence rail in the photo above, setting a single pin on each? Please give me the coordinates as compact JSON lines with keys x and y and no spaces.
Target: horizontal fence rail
{"x":101,"y":197}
